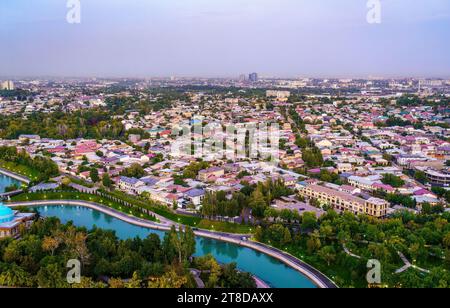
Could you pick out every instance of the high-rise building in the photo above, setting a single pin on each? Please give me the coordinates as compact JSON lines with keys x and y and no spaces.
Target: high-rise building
{"x":253,"y":77}
{"x":7,"y":85}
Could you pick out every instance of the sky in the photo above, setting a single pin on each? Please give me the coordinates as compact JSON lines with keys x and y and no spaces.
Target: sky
{"x":225,"y":38}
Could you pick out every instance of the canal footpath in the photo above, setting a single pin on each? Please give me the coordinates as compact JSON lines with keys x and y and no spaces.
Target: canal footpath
{"x":15,"y":176}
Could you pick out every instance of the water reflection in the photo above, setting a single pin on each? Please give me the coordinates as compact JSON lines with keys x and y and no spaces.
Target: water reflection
{"x":6,"y":181}
{"x":96,"y":215}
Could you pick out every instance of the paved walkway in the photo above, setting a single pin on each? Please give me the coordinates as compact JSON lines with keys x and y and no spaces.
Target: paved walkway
{"x":319,"y":279}
{"x":404,"y":268}
{"x":10,"y":194}
{"x":347,"y":251}
{"x":408,"y":265}
{"x":260,"y":284}
{"x":198,"y":281}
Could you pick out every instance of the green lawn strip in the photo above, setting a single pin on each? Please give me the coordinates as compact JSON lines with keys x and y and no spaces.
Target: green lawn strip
{"x":225,"y":227}
{"x":187,"y":220}
{"x":85,"y":197}
{"x":20,"y":169}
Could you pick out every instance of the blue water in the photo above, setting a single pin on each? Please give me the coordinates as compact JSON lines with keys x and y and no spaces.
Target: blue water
{"x":6,"y":181}
{"x":272,"y":271}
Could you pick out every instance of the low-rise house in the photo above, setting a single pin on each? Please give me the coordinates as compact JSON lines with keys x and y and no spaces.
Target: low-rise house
{"x":213,"y":172}
{"x":364,"y":183}
{"x":130,"y":185}
{"x":350,"y":189}
{"x":344,"y":167}
{"x":383,"y":187}
{"x":31,"y":138}
{"x":195,"y":196}
{"x":420,"y":200}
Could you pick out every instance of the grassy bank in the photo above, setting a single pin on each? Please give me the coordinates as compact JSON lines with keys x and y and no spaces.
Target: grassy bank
{"x":32,"y":174}
{"x":85,"y":197}
{"x":225,"y":227}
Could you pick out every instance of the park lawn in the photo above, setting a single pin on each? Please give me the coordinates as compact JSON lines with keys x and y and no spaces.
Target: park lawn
{"x":84,"y":197}
{"x":228,"y":227}
{"x":20,"y":169}
{"x":191,"y":221}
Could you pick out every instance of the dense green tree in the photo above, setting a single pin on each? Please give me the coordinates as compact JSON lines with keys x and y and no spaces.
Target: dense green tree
{"x":313,"y":243}
{"x":258,"y":203}
{"x":392,"y":180}
{"x":327,"y":254}
{"x":15,"y":276}
{"x":52,"y":276}
{"x":191,"y":171}
{"x":309,"y":220}
{"x":93,"y":174}
{"x":134,"y":171}
{"x":233,"y":278}
{"x":44,"y":166}
{"x":420,"y":176}
{"x":398,"y":199}
{"x":106,"y":180}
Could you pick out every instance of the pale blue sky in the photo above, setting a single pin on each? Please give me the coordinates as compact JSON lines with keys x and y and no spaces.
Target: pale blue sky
{"x":286,"y":38}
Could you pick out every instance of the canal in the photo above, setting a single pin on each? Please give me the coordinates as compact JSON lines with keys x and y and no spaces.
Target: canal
{"x":272,"y":271}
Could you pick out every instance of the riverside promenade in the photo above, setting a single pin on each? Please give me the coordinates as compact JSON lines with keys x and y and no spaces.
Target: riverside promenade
{"x":15,"y":176}
{"x":319,"y":279}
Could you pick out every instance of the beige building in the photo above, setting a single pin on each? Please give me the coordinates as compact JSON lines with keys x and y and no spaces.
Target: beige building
{"x":7,"y":85}
{"x":281,"y":95}
{"x":344,"y":201}
{"x":213,"y":172}
{"x":344,"y":167}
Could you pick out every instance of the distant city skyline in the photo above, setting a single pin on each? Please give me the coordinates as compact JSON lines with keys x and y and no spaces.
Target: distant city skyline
{"x":225,"y":38}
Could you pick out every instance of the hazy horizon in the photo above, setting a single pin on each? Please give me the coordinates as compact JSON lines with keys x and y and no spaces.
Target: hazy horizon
{"x":225,"y":38}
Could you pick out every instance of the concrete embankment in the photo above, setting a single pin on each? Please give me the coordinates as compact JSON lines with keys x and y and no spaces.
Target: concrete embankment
{"x":15,"y":176}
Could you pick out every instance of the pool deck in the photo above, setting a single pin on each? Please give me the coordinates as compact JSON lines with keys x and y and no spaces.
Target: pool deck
{"x":318,"y":278}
